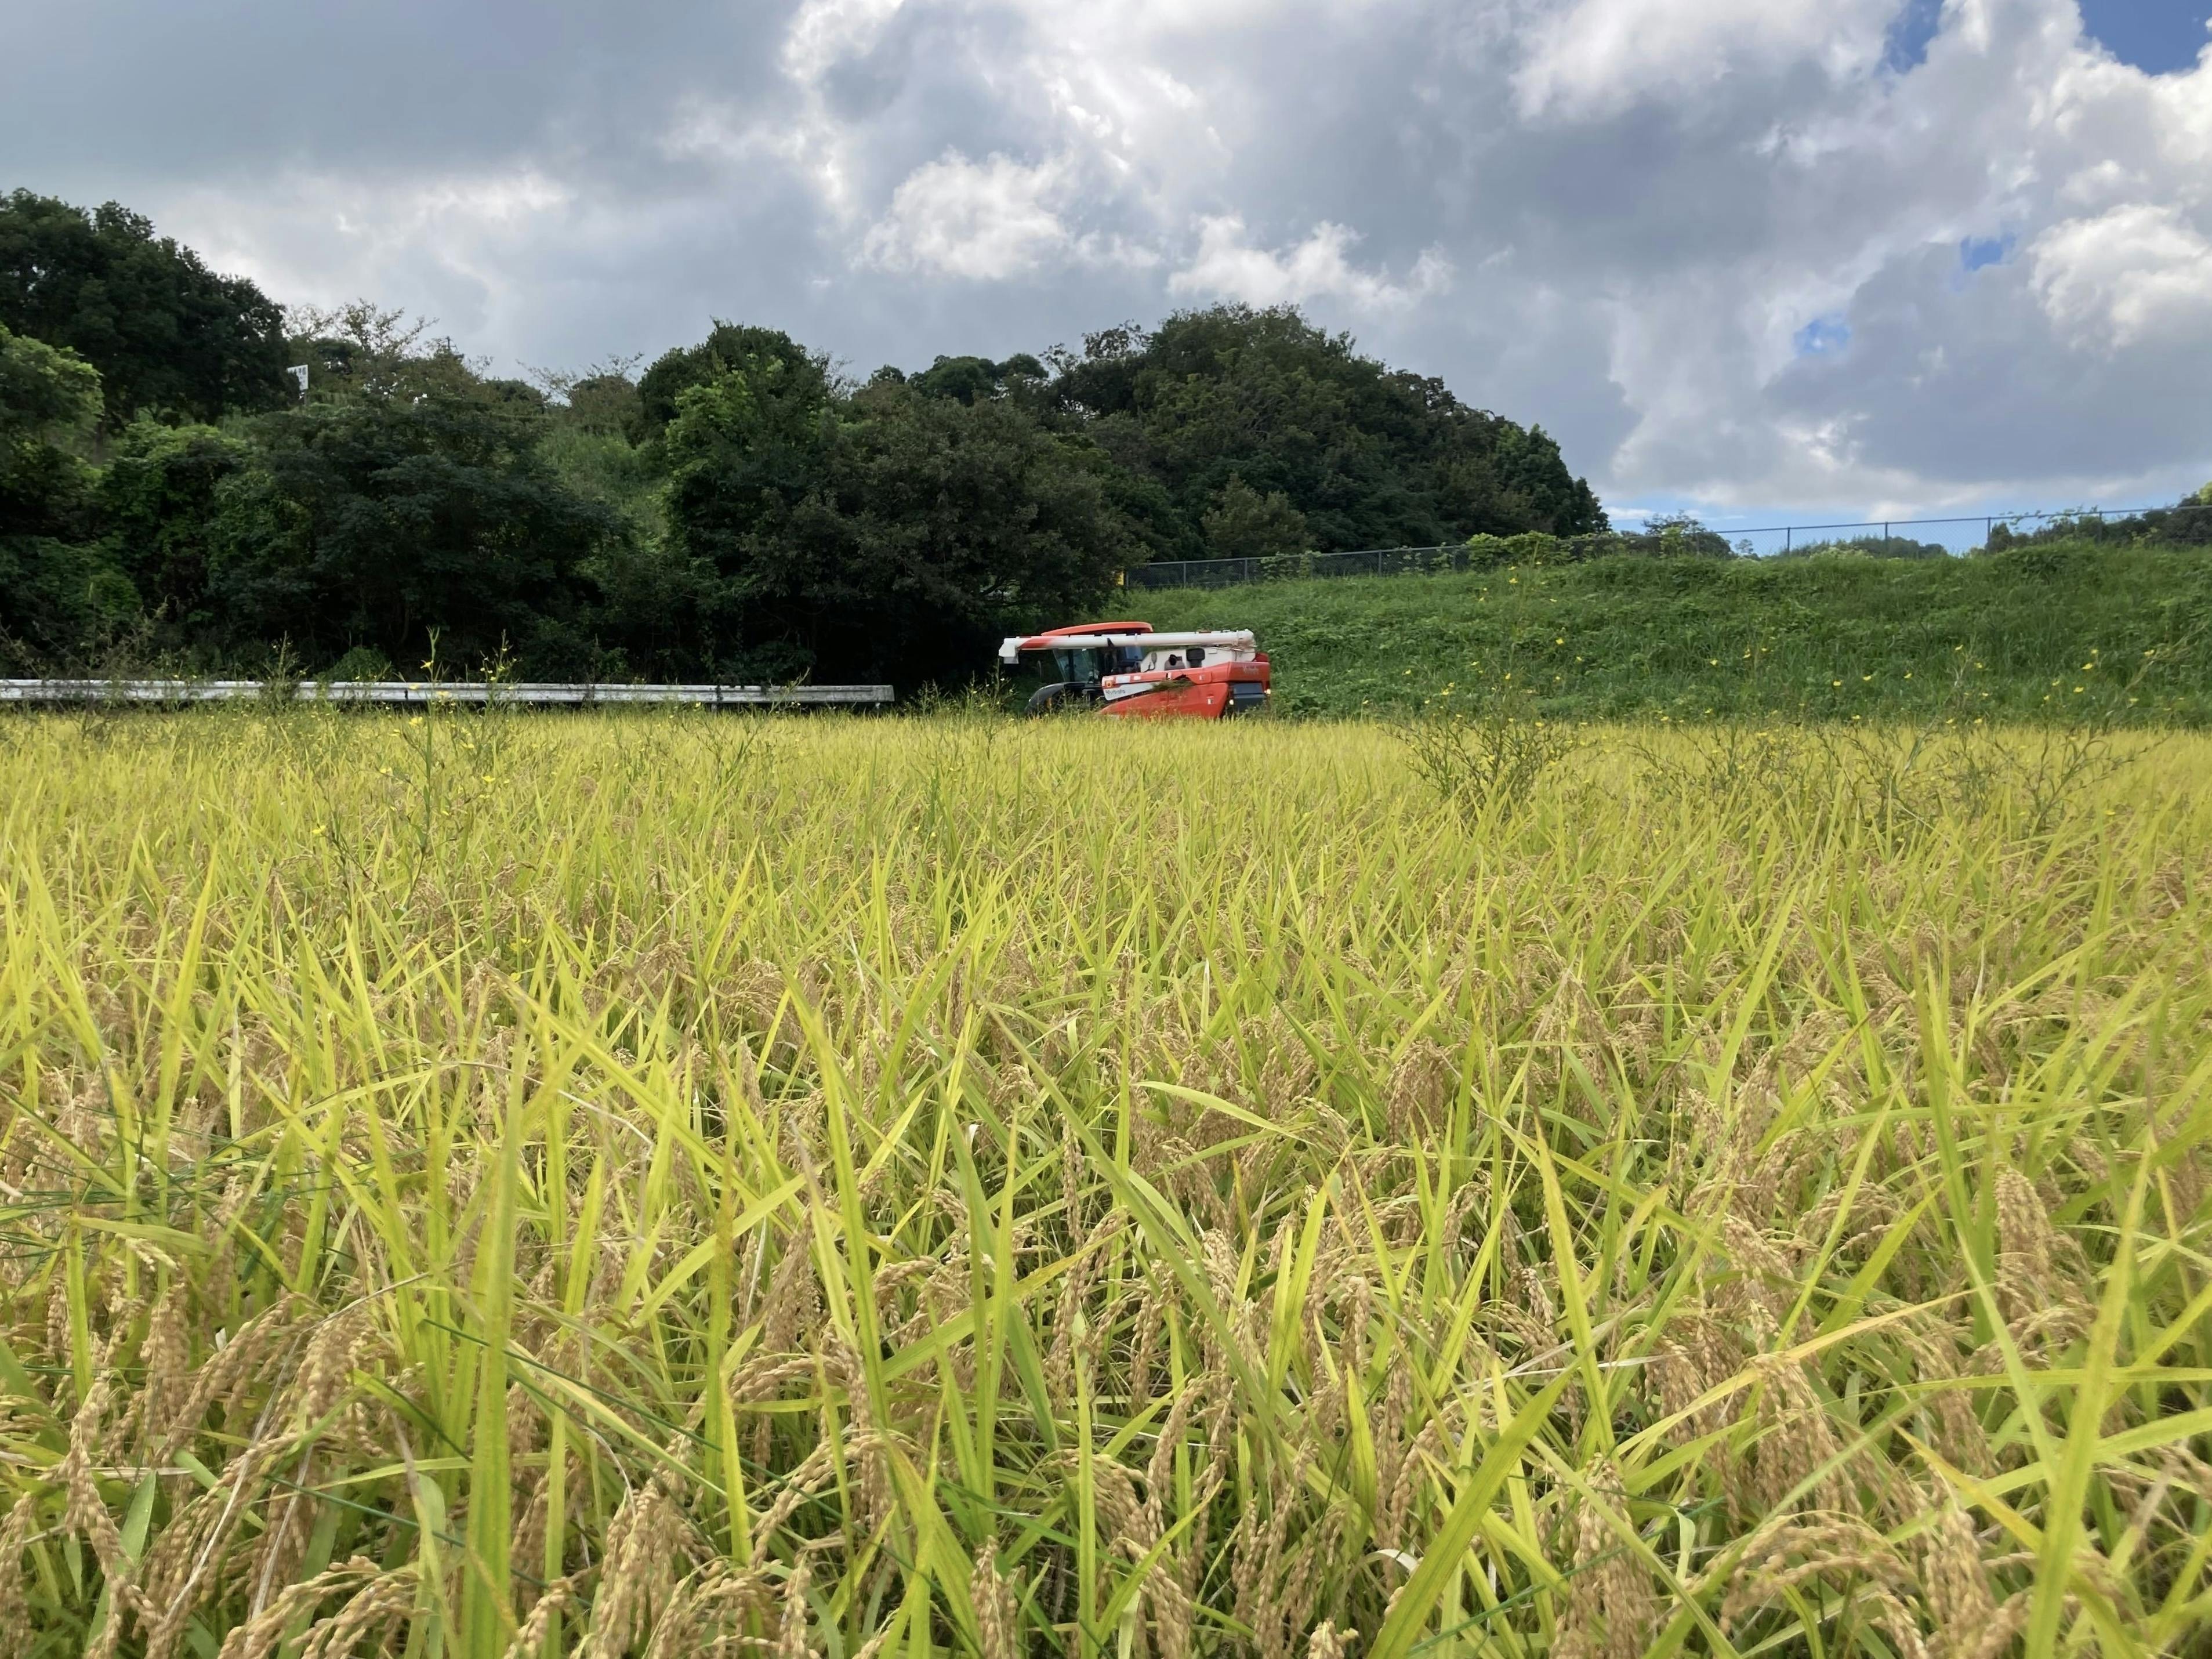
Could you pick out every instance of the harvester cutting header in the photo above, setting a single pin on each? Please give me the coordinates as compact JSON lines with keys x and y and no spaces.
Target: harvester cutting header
{"x":1129,"y":670}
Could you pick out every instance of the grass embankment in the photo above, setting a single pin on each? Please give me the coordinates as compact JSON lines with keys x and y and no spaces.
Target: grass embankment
{"x":1823,"y":638}
{"x":611,"y":1184}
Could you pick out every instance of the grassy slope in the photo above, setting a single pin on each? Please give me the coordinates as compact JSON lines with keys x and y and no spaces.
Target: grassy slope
{"x":1823,"y":637}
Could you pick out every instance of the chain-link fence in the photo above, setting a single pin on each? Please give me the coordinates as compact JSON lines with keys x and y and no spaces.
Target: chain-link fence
{"x":2189,"y":523}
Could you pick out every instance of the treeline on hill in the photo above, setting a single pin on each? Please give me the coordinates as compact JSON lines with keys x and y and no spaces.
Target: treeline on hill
{"x":739,"y":511}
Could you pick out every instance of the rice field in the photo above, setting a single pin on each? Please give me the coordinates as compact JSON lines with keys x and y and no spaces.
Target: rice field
{"x":672,"y":1184}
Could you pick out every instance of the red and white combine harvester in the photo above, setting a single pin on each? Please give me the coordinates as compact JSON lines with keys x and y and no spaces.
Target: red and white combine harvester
{"x":1130,"y":672}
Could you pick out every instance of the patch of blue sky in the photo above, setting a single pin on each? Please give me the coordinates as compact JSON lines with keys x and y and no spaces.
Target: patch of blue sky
{"x":1823,"y":336}
{"x":1904,"y":48}
{"x":2156,"y":36}
{"x":1975,"y":251}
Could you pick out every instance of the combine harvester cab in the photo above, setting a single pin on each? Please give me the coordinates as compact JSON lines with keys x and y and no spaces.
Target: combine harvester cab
{"x":1130,"y":672}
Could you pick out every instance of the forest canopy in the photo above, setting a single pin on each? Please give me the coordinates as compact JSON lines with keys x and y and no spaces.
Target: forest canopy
{"x":738,"y":509}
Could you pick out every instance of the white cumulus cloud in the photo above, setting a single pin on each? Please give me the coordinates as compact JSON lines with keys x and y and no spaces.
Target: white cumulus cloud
{"x":986,"y":221}
{"x":1228,"y":266}
{"x":2140,"y":274}
{"x":1593,"y":57}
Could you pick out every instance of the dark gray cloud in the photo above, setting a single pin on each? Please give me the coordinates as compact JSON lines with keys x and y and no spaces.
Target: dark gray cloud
{"x":195,"y":89}
{"x":1716,"y":245}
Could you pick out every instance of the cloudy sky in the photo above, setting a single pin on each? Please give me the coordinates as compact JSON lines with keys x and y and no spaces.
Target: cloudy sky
{"x":1760,"y":256}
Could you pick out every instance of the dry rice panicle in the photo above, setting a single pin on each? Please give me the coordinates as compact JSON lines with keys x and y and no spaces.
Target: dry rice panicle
{"x":864,"y":1188}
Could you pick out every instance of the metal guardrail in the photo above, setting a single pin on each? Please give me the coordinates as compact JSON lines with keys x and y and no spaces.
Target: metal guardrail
{"x":427,"y":694}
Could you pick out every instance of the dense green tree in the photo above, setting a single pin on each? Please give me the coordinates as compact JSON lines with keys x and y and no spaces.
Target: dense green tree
{"x":1684,"y":535}
{"x":166,"y":334}
{"x":728,"y":346}
{"x":755,"y":435}
{"x":1533,"y":477}
{"x":362,"y":350}
{"x":605,"y":403}
{"x":887,"y":534}
{"x":1370,"y":456}
{"x":970,"y":379}
{"x":379,"y":522}
{"x":1246,"y":525}
{"x":47,"y":398}
{"x":166,"y":501}
{"x":57,"y":593}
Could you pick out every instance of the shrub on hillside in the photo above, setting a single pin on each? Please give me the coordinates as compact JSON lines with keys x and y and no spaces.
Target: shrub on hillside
{"x":1868,"y":547}
{"x":2187,"y":523}
{"x":1530,"y":547}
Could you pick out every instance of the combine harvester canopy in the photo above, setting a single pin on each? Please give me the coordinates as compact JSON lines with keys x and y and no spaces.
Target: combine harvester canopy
{"x":1130,"y":672}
